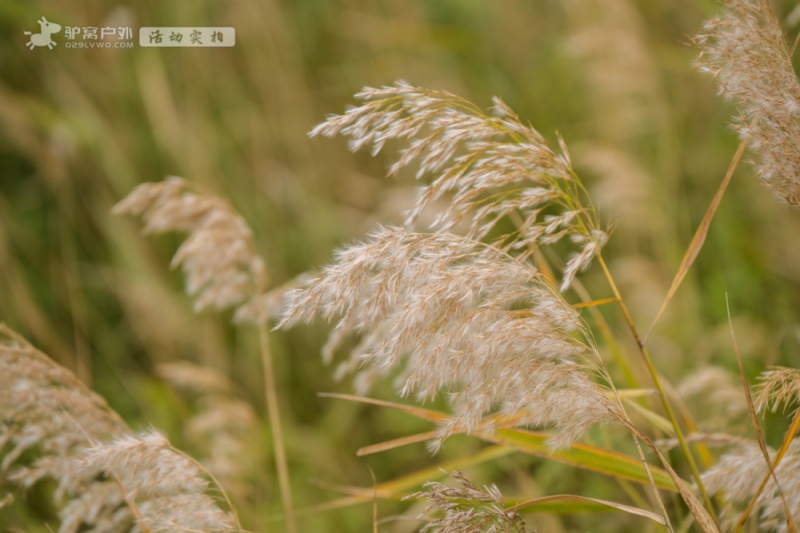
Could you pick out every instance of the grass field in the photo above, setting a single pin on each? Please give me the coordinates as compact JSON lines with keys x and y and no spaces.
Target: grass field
{"x":646,"y":131}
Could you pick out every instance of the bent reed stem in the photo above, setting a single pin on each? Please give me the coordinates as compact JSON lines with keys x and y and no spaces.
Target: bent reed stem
{"x":657,"y":382}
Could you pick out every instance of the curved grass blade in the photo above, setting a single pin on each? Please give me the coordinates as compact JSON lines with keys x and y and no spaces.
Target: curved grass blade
{"x":419,"y":412}
{"x":697,"y":240}
{"x":584,"y":456}
{"x":594,"y":303}
{"x":396,"y":443}
{"x":654,"y":418}
{"x":402,"y":486}
{"x":567,"y":501}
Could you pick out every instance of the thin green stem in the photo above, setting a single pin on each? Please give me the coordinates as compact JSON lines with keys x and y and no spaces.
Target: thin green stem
{"x":273,"y":414}
{"x":662,"y":395}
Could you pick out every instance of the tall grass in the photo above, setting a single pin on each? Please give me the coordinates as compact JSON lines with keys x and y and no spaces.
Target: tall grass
{"x":543,"y":293}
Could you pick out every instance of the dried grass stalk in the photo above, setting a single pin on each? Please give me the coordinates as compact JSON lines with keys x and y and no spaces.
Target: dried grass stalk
{"x":471,"y":321}
{"x":745,"y":50}
{"x":492,"y":166}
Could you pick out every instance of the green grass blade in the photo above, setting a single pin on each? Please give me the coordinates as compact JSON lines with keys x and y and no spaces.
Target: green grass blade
{"x":571,"y":503}
{"x":584,"y":456}
{"x":402,"y":486}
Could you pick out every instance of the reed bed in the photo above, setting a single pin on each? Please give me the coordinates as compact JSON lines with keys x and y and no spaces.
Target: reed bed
{"x":513,"y":337}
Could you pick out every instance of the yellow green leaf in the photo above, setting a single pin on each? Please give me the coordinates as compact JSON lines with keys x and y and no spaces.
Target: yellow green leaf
{"x":600,"y":460}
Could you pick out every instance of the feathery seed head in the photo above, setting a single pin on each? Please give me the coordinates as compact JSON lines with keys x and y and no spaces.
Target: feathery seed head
{"x":492,"y":166}
{"x":738,"y":474}
{"x":467,"y":508}
{"x":779,"y":386}
{"x":167,"y":488}
{"x":46,"y":409}
{"x":747,"y":54}
{"x":716,"y":398}
{"x":222,"y":267}
{"x":469,"y":319}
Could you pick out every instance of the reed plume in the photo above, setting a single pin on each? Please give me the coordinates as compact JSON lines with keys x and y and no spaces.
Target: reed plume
{"x":470,"y":320}
{"x":778,"y":387}
{"x":736,"y":478}
{"x":47,"y":410}
{"x":466,"y":508}
{"x":165,"y":489}
{"x":745,"y":51}
{"x":218,"y":257}
{"x":715,"y":397}
{"x":106,"y":478}
{"x":493,"y":166}
{"x":222,"y":271}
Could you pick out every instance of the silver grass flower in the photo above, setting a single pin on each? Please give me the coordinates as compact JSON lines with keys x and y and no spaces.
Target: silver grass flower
{"x":166,"y":489}
{"x":467,"y":509}
{"x":738,"y":474}
{"x":45,"y":410}
{"x":218,"y":257}
{"x":222,"y":271}
{"x":779,"y":386}
{"x":491,"y":166}
{"x":469,"y":320}
{"x":745,"y":50}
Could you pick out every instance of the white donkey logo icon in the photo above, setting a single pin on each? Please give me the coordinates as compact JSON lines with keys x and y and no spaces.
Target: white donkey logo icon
{"x":43,"y":38}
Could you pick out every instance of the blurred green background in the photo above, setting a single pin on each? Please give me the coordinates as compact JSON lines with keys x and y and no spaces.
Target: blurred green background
{"x":79,"y":128}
